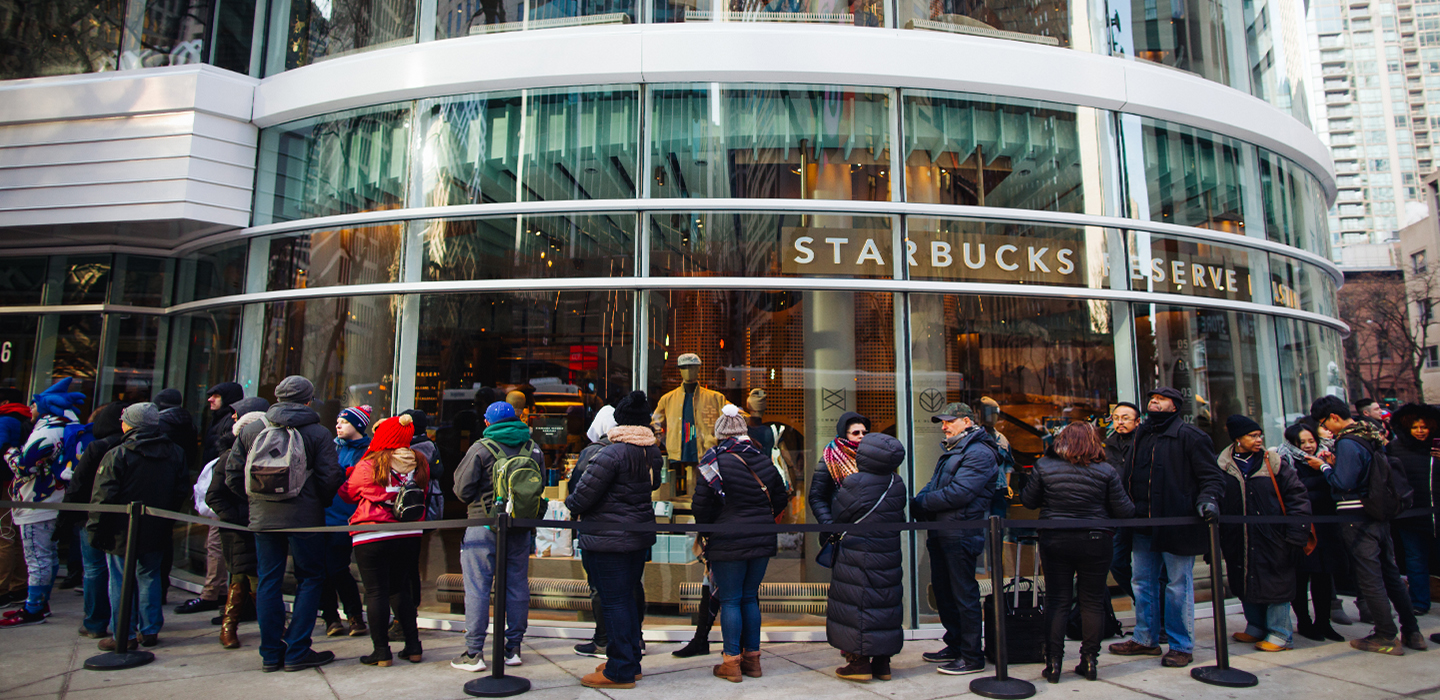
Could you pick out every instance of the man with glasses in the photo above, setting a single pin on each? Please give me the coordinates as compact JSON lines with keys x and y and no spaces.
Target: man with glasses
{"x":961,"y":489}
{"x":1124,"y":418}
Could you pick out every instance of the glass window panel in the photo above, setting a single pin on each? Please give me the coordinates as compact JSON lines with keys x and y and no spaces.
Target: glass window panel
{"x":1294,"y":204}
{"x":1043,"y":22}
{"x":361,"y":255}
{"x":859,"y":13}
{"x":1189,"y":267}
{"x":978,"y":251}
{"x":770,"y":141}
{"x":456,"y":18}
{"x":22,"y":280}
{"x":87,"y":279}
{"x":758,"y":244}
{"x":130,"y":370}
{"x":219,"y":271}
{"x":1310,"y":365}
{"x":339,"y":164}
{"x":515,"y":247}
{"x":61,"y":37}
{"x":172,"y":33}
{"x":1187,"y":34}
{"x":144,"y":282}
{"x":989,"y":152}
{"x":533,"y":145}
{"x":17,"y":353}
{"x":77,"y":354}
{"x":326,"y":29}
{"x":814,"y":354}
{"x":234,"y":35}
{"x":1043,"y":363}
{"x":1300,"y":285}
{"x":205,"y":351}
{"x":1193,"y":177}
{"x":345,"y":345}
{"x":1210,"y":356}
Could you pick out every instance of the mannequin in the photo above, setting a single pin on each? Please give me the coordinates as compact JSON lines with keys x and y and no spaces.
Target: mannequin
{"x":685,"y":417}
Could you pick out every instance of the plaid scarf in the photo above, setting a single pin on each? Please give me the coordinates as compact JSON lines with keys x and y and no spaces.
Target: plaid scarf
{"x":1365,"y":430}
{"x":839,"y":458}
{"x":710,"y":462}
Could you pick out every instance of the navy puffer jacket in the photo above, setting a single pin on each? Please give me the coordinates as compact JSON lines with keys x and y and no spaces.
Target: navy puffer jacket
{"x":864,"y":612}
{"x":744,"y":503}
{"x":615,"y":488}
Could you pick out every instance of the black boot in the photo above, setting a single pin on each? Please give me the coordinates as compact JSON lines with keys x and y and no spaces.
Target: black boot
{"x":1052,"y":668}
{"x":1089,"y":665}
{"x":699,"y":646}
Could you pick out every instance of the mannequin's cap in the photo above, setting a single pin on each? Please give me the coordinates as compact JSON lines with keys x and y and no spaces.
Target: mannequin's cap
{"x":689,"y":359}
{"x":757,"y":394}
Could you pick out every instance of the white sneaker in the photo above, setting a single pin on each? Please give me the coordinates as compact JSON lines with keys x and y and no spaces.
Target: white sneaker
{"x":513,"y":659}
{"x":473,"y":663}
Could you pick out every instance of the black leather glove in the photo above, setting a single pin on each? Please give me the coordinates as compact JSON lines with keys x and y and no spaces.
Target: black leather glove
{"x":1209,"y":512}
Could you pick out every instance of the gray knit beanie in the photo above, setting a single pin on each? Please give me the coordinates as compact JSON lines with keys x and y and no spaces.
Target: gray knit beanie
{"x":732,"y":422}
{"x":294,"y":389}
{"x":141,"y":416}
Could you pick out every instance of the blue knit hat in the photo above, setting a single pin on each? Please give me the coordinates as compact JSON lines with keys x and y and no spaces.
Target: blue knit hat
{"x":358,"y":416}
{"x":58,"y":399}
{"x":499,"y":412}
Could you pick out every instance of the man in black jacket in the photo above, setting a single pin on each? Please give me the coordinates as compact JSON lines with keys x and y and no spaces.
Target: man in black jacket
{"x":960,"y":489}
{"x":1124,"y":419}
{"x":146,"y":467}
{"x":220,"y":399}
{"x":283,"y":646}
{"x":1172,"y":472}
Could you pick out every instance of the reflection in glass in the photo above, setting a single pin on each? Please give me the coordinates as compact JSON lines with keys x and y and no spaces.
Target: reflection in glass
{"x":345,"y":345}
{"x":1037,"y":363}
{"x":360,"y":255}
{"x":814,"y":355}
{"x":1193,"y":177}
{"x":321,"y":29}
{"x":750,"y":244}
{"x":1211,"y":356}
{"x":142,"y":281}
{"x":533,"y":145}
{"x":87,"y":279}
{"x":455,"y":18}
{"x":172,"y":33}
{"x":208,"y":349}
{"x":511,"y":247}
{"x":770,"y":141}
{"x":1276,"y":57}
{"x":77,"y":353}
{"x":1310,"y":365}
{"x":1045,"y":22}
{"x":17,"y":351}
{"x":339,"y":164}
{"x":218,"y":271}
{"x":1186,"y":34}
{"x":1299,"y":285}
{"x":990,"y":152}
{"x":22,"y":280}
{"x":1191,"y":267}
{"x":859,"y":13}
{"x":60,"y":37}
{"x":979,"y":251}
{"x":1295,"y":211}
{"x":129,"y":368}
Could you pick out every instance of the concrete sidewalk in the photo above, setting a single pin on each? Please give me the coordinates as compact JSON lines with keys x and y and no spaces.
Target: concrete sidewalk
{"x":46,"y":661}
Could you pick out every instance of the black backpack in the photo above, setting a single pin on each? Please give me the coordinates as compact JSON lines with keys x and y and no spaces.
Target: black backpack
{"x":1388,"y":493}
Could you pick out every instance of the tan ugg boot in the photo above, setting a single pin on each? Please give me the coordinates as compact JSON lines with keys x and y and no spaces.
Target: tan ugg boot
{"x":730,"y":670}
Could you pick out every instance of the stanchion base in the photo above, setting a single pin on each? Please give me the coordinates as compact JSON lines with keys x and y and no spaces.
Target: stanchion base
{"x":497,"y":686}
{"x":1225,"y":677}
{"x":118,"y":660}
{"x":1002,"y":689}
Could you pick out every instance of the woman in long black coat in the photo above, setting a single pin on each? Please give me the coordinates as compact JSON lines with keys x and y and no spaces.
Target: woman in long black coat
{"x":863,"y":614}
{"x":1415,"y":428}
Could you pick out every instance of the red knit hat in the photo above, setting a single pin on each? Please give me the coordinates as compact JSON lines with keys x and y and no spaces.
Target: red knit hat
{"x":392,"y":433}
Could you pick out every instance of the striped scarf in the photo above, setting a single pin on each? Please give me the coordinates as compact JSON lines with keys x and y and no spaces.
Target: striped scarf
{"x":710,"y":462}
{"x":839,"y":458}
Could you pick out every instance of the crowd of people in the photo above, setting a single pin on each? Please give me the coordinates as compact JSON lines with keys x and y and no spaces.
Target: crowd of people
{"x":271,"y":469}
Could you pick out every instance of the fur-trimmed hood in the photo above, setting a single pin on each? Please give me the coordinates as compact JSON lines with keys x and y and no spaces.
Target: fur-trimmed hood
{"x":639,"y":436}
{"x":245,"y":420}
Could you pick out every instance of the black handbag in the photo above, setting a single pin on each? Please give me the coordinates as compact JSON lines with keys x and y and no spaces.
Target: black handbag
{"x":831,"y":550}
{"x":1025,"y":628}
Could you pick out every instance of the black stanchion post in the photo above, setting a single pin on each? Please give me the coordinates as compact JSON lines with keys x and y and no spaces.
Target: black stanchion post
{"x":1002,"y":686}
{"x":1220,"y":674}
{"x":497,"y":684}
{"x":124,"y":657}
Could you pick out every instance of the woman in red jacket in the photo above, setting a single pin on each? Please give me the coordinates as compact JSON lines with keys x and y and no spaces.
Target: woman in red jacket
{"x":389,"y":471}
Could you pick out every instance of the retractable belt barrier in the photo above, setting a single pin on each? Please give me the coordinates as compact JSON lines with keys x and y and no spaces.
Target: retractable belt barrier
{"x":498,"y":684}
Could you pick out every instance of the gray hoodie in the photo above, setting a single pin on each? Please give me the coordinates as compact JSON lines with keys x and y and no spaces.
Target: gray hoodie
{"x":308,"y":508}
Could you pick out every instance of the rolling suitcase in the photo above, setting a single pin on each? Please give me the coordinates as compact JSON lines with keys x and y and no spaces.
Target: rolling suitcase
{"x":1025,"y":629}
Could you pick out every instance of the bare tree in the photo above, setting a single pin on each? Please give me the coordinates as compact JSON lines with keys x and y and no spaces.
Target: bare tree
{"x":1390,"y":321}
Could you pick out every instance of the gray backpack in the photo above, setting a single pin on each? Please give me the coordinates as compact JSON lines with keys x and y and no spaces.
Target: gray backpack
{"x":276,"y":468}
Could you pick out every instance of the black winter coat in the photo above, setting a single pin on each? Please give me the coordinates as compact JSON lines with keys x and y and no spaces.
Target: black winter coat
{"x":306,"y":509}
{"x":864,"y":611}
{"x":744,"y":503}
{"x":1118,"y":448}
{"x":1329,"y":554}
{"x":1066,"y":491}
{"x":175,"y":422}
{"x":219,"y":437}
{"x":1420,"y":470}
{"x":1183,"y":474}
{"x":147,"y":467}
{"x":1260,"y":560}
{"x":962,"y":486}
{"x":615,"y":488}
{"x":107,"y":433}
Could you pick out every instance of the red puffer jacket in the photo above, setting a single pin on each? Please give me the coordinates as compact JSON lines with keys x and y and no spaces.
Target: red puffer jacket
{"x":372,"y":499}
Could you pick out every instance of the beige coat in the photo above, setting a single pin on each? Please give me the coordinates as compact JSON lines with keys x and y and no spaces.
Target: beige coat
{"x":670,"y":414}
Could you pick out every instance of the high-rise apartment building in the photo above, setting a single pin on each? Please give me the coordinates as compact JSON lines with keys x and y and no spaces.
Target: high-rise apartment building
{"x":1375,"y":88}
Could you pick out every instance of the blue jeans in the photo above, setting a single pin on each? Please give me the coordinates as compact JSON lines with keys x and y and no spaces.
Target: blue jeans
{"x":96,"y":586}
{"x":1270,"y":621}
{"x":1417,"y":543}
{"x":477,"y":567}
{"x":615,"y":575}
{"x":957,"y":595}
{"x":1176,"y":601}
{"x":737,"y":585}
{"x":146,"y":610}
{"x":279,"y":643}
